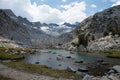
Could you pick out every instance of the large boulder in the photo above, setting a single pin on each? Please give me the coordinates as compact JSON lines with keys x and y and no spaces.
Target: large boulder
{"x":116,"y":68}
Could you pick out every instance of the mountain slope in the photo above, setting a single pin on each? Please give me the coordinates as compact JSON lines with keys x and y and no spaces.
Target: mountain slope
{"x":98,"y":26}
{"x":11,"y":28}
{"x":100,"y":22}
{"x":23,"y":31}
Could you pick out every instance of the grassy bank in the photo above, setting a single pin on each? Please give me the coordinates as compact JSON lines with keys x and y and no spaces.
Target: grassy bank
{"x":4,"y":55}
{"x":43,"y":70}
{"x":5,"y":78}
{"x":112,"y":53}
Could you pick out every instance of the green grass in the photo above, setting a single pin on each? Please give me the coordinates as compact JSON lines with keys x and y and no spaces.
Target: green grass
{"x":43,"y":70}
{"x":8,"y":56}
{"x":5,"y":78}
{"x":112,"y":53}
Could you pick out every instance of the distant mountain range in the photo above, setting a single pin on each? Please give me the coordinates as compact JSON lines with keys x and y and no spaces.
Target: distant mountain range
{"x":31,"y":33}
{"x":52,"y":28}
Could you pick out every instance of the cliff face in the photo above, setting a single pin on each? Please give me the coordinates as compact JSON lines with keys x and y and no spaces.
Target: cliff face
{"x":11,"y":28}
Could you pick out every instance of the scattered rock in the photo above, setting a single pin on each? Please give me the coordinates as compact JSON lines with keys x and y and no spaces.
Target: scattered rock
{"x":54,"y":53}
{"x":87,"y":77}
{"x":68,"y":57}
{"x":71,"y":52}
{"x":70,"y":69}
{"x":49,"y":51}
{"x":59,"y":58}
{"x":14,"y":60}
{"x":83,"y":69}
{"x":112,"y":74}
{"x":36,"y":62}
{"x":16,"y":52}
{"x":105,"y":63}
{"x":50,"y":58}
{"x":60,"y":65}
{"x":60,"y":55}
{"x":100,"y":60}
{"x":78,"y":61}
{"x":23,"y":52}
{"x":116,"y":68}
{"x":32,"y":53}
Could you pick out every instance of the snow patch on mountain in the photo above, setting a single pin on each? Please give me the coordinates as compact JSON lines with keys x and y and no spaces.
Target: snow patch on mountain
{"x":55,"y":30}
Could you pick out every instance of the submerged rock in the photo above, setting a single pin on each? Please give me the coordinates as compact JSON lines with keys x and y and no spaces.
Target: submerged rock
{"x":68,"y":57}
{"x":59,"y":58}
{"x":60,"y":65}
{"x":71,"y":52}
{"x":36,"y":62}
{"x":83,"y":69}
{"x":49,"y":51}
{"x":105,"y":63}
{"x":100,"y":60}
{"x":54,"y":53}
{"x":78,"y":61}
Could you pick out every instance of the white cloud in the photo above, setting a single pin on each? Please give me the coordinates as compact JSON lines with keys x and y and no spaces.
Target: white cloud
{"x":93,"y":6}
{"x":104,"y":0}
{"x":44,"y":13}
{"x":115,"y":2}
{"x":74,"y":12}
{"x":41,"y":0}
{"x":64,"y":0}
{"x":101,"y":9}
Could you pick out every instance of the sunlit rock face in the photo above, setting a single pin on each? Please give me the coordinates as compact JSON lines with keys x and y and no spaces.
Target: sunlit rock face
{"x":96,"y":25}
{"x":100,"y":22}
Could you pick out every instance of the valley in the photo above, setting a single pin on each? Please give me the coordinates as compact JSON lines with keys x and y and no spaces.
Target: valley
{"x":89,"y":50}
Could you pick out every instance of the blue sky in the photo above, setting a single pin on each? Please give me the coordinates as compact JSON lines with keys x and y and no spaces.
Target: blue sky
{"x":100,"y":4}
{"x":56,"y":11}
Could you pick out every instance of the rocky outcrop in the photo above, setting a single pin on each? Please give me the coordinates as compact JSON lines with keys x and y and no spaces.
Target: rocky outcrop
{"x":6,"y":43}
{"x":95,"y":27}
{"x":100,"y":22}
{"x":104,"y":43}
{"x":113,"y":74}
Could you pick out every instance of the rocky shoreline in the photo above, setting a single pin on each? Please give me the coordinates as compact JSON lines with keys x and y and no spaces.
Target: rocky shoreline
{"x":112,"y":74}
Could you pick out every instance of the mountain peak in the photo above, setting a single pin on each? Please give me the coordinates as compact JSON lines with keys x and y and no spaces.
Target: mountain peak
{"x":9,"y":12}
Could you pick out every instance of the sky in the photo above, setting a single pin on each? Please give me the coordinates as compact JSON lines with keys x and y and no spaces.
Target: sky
{"x":56,"y":11}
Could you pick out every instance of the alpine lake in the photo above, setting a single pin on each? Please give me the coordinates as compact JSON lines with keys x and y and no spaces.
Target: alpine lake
{"x":90,"y":63}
